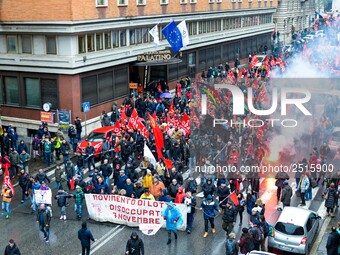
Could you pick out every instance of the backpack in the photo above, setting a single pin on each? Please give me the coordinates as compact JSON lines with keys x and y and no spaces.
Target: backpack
{"x":250,"y":246}
{"x":257,"y":234}
{"x":270,"y":230}
{"x":230,"y":247}
{"x":49,"y":209}
{"x":265,"y":229}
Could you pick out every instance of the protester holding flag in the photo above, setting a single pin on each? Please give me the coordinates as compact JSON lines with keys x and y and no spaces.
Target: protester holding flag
{"x":229,"y":217}
{"x":7,"y":196}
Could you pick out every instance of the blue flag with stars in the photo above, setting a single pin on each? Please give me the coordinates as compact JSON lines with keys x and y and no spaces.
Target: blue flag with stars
{"x":173,"y":36}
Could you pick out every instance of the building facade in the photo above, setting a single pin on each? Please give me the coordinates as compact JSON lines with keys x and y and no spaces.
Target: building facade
{"x":69,"y":51}
{"x":293,"y":16}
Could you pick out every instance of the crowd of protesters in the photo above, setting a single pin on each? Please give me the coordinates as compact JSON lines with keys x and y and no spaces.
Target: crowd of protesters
{"x":125,"y":170}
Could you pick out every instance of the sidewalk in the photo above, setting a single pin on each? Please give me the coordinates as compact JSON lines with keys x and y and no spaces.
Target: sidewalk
{"x":321,"y":250}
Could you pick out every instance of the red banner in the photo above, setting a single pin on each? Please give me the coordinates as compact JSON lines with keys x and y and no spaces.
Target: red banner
{"x":157,"y":132}
{"x":185,"y":124}
{"x":7,"y":180}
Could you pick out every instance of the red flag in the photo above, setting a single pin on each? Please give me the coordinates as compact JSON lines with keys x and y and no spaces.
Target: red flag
{"x":185,"y":124}
{"x":266,"y":61}
{"x":133,"y":121}
{"x":142,"y":129}
{"x":154,"y":115}
{"x":7,"y":181}
{"x":233,"y":198}
{"x":123,"y":118}
{"x":116,"y":128}
{"x":253,"y":62}
{"x":171,"y":108}
{"x":157,"y":132}
{"x":168,"y":163}
{"x":272,"y":61}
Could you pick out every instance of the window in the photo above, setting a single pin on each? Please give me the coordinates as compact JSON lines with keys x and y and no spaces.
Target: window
{"x":90,"y":42}
{"x":141,"y":2}
{"x":26,"y":44}
{"x":183,"y":1}
{"x":107,"y":38}
{"x":218,"y":1}
{"x":122,"y":38}
{"x":89,"y":89}
{"x":132,"y":36}
{"x":105,"y":86}
{"x":51,"y":45}
{"x":49,"y":92}
{"x":139,"y":36}
{"x":99,"y":41}
{"x":211,"y":1}
{"x":122,"y":2}
{"x":193,"y":1}
{"x":121,"y":82}
{"x":145,"y":32}
{"x":32,"y":90}
{"x":101,"y":3}
{"x":192,"y":27}
{"x":164,"y":2}
{"x":115,"y":39}
{"x":81,"y":44}
{"x":12,"y":44}
{"x":11,"y":90}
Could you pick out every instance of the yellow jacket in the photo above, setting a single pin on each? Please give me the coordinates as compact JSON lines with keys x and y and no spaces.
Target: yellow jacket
{"x":6,"y":195}
{"x":147,"y":181}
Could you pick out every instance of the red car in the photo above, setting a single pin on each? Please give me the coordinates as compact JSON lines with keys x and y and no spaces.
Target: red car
{"x":96,"y":137}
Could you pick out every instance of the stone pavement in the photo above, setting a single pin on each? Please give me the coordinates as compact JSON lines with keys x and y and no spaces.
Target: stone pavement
{"x":321,"y":250}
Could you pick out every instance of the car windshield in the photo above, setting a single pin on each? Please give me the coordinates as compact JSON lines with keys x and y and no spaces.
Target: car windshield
{"x":95,"y":137}
{"x":336,"y":136}
{"x":289,"y":229}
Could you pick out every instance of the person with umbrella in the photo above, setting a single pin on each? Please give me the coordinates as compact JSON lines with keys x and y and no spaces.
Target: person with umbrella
{"x":280,"y":178}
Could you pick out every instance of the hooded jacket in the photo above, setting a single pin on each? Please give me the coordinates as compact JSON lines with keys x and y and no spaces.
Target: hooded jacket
{"x":209,"y":207}
{"x":135,"y":246}
{"x":171,"y":215}
{"x":180,"y":195}
{"x":85,"y":236}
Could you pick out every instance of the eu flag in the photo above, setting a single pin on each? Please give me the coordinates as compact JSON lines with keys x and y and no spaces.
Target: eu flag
{"x":173,"y":36}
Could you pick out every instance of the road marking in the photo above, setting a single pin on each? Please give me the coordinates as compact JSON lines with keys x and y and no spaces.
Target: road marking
{"x":97,"y":243}
{"x":105,"y":241}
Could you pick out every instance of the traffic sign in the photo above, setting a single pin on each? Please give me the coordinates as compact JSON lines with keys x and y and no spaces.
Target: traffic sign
{"x":85,"y":106}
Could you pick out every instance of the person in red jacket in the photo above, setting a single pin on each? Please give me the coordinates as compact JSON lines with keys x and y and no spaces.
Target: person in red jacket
{"x":180,"y":195}
{"x":5,"y":162}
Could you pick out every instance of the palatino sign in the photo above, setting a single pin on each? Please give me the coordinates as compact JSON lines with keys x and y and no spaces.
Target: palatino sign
{"x":155,"y":56}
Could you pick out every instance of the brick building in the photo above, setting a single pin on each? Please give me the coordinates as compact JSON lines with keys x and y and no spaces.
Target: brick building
{"x":67,"y":52}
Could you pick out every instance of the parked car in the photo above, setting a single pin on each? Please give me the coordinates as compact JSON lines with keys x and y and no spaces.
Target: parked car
{"x":96,"y":137}
{"x":295,"y":230}
{"x":334,"y":142}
